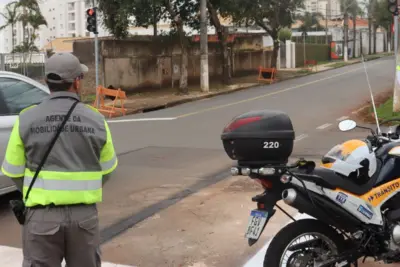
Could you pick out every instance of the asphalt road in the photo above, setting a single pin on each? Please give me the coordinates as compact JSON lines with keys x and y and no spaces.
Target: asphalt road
{"x":162,"y":162}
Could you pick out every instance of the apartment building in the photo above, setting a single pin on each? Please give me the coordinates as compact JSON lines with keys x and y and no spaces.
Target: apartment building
{"x":328,"y":8}
{"x":65,"y":18}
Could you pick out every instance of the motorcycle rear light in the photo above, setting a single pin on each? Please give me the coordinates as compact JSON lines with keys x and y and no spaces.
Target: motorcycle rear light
{"x":245,"y":171}
{"x":265,"y":183}
{"x":286,"y":179}
{"x":235,"y":171}
{"x":240,"y":122}
{"x":260,"y":206}
{"x":266,"y":171}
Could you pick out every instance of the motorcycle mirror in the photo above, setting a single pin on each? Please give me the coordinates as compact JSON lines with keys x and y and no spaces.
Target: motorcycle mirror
{"x":347,"y":125}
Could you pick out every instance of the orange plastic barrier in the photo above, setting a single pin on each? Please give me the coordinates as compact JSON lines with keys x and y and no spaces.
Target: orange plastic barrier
{"x":110,"y":110}
{"x":311,"y":63}
{"x":267,"y":74}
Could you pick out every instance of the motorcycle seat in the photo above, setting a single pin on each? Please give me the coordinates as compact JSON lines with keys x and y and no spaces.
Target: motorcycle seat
{"x":329,"y":179}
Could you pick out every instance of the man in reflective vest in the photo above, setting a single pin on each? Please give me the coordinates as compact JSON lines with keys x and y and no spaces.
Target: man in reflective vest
{"x":61,"y":219}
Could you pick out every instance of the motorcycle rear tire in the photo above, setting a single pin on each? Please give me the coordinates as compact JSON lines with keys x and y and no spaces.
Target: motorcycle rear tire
{"x":292,"y":231}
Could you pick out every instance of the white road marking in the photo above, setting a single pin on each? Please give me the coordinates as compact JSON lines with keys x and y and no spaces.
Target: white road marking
{"x":258,"y":259}
{"x":142,"y":119}
{"x":301,"y":137}
{"x":358,"y":110}
{"x":12,"y":257}
{"x":324,"y":126}
{"x":342,"y":118}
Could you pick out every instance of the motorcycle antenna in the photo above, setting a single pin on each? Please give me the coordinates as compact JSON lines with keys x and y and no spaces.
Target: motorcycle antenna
{"x":372,"y":95}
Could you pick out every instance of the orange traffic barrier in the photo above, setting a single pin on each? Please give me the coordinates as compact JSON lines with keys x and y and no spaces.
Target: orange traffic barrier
{"x":110,"y":110}
{"x":311,"y":63}
{"x":267,"y":74}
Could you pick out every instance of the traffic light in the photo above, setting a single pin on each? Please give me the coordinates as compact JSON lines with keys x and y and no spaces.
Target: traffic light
{"x":92,"y":20}
{"x":393,"y":7}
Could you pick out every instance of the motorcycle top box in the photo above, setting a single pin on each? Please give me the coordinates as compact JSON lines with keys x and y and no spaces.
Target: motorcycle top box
{"x":263,"y":137}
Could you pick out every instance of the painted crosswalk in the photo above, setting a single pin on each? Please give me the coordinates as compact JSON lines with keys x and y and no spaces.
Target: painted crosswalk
{"x":12,"y":257}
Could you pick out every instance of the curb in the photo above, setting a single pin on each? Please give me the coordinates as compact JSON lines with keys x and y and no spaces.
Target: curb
{"x":196,"y":98}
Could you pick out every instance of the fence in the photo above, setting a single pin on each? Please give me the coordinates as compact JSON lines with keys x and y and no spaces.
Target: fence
{"x":28,"y":64}
{"x":313,"y":52}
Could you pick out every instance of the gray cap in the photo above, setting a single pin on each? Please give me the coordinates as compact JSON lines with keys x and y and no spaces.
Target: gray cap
{"x":65,"y":65}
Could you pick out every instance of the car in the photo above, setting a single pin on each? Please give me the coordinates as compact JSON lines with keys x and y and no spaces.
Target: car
{"x":16,"y":93}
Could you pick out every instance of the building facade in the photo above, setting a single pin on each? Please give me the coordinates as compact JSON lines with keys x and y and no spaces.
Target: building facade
{"x":65,"y":18}
{"x":328,"y":8}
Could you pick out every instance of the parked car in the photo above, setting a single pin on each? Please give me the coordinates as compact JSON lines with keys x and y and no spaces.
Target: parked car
{"x":16,"y":93}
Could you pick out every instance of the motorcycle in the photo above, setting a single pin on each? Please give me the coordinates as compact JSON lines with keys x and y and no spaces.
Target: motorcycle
{"x":353,"y":214}
{"x":349,"y":218}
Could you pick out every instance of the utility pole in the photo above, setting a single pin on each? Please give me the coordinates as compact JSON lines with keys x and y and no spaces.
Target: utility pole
{"x":346,"y":36}
{"x":393,"y":8}
{"x":396,"y":91}
{"x":326,"y":23}
{"x":92,"y":27}
{"x":204,"y":79}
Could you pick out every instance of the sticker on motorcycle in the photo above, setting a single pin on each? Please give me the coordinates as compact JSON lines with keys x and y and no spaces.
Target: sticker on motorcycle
{"x":366,"y":212}
{"x":341,"y":198}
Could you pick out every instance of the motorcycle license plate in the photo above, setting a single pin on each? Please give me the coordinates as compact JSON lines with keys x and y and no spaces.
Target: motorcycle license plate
{"x":257,"y":221}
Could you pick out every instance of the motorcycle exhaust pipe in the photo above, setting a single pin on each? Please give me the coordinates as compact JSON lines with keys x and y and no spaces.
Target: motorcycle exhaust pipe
{"x":297,"y":201}
{"x":290,"y":197}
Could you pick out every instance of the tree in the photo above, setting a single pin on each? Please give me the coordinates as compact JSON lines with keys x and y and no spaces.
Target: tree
{"x":383,"y":18}
{"x":355,"y":11}
{"x":347,"y":7}
{"x":284,"y":34}
{"x":28,"y":7}
{"x":216,"y":7}
{"x":309,"y":22}
{"x":11,"y":18}
{"x":369,"y":6}
{"x":117,"y":13}
{"x":270,"y":15}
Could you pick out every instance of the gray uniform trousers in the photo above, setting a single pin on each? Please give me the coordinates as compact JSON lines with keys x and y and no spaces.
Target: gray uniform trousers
{"x":52,"y":234}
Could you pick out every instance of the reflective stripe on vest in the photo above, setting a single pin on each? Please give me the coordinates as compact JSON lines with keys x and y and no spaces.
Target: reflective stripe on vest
{"x":109,"y":165}
{"x":63,"y":188}
{"x":12,"y":170}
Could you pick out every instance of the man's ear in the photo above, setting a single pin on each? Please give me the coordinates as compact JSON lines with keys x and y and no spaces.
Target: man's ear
{"x":76,"y":84}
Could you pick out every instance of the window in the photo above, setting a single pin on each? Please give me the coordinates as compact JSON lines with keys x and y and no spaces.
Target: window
{"x":71,"y":26}
{"x":71,"y":6}
{"x":61,"y":26}
{"x":15,"y":95}
{"x":87,"y":34}
{"x":71,"y":16}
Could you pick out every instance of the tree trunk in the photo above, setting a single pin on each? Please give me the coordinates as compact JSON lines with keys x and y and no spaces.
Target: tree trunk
{"x":369,"y":35}
{"x":183,"y":81}
{"x":154,"y":20}
{"x":346,"y":37}
{"x":354,"y":34}
{"x":12,"y":41}
{"x":385,"y":38}
{"x":222,"y":37}
{"x":275,"y":51}
{"x":375,"y":29}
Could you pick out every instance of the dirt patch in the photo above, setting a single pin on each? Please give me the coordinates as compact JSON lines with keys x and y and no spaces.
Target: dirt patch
{"x":364,"y":112}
